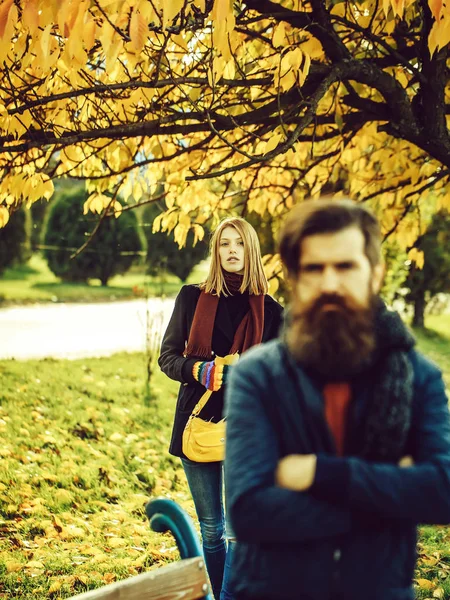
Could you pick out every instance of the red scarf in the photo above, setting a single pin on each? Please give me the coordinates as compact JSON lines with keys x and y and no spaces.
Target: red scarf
{"x":248,"y":334}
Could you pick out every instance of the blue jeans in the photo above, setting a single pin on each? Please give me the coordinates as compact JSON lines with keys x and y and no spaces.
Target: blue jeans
{"x":206,"y":484}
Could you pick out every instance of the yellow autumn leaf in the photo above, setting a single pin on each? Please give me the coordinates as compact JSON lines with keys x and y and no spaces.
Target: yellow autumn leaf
{"x":117,"y":542}
{"x":138,"y":30}
{"x":63,"y":497}
{"x":5,"y":8}
{"x":274,"y":284}
{"x":34,"y":564}
{"x":89,"y":31}
{"x":55,"y":587}
{"x":279,"y":35}
{"x":435,"y":7}
{"x":4,"y":216}
{"x":117,"y":207}
{"x":71,"y":531}
{"x":171,"y":8}
{"x":417,"y":256}
{"x":272,"y":143}
{"x":221,"y":9}
{"x":12,"y":566}
{"x":425,"y":584}
{"x":313,"y":48}
{"x":30,"y":15}
{"x":96,"y":203}
{"x":199,"y":232}
{"x":398,"y":7}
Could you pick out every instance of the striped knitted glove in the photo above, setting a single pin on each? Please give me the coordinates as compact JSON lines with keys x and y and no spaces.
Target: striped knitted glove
{"x":210,"y":375}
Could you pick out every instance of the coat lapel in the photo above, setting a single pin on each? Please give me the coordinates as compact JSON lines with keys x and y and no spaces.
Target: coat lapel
{"x":268,"y":318}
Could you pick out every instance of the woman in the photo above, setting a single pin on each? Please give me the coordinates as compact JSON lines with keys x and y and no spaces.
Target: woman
{"x":227,"y":314}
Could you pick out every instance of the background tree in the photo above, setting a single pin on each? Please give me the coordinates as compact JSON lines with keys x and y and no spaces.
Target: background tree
{"x":14,"y":243}
{"x":275,"y":97}
{"x":38,"y":212}
{"x":425,"y":283}
{"x":163,"y":253}
{"x":111,"y":251}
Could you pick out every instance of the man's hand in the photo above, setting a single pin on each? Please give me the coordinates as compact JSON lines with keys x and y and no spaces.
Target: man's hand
{"x":296,"y":472}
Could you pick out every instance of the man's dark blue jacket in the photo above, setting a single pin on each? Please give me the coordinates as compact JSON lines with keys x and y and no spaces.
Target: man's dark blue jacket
{"x":353,"y":535}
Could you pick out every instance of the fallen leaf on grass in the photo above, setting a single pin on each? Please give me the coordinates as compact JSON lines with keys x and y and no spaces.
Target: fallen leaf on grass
{"x":63,"y":497}
{"x":89,"y":550}
{"x":33,"y":506}
{"x":429,"y":561}
{"x":55,"y":587}
{"x":70,"y":532}
{"x":57,"y":524}
{"x":12,"y":566}
{"x":425,"y":584}
{"x":117,"y":542}
{"x":99,"y":558}
{"x":34,"y":564}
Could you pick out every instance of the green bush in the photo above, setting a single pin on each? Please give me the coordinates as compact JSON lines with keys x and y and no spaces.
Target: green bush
{"x":14,"y":240}
{"x":112,"y":251}
{"x":38,"y":211}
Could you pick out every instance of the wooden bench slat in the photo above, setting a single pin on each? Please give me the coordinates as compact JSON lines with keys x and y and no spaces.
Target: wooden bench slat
{"x":182,"y":580}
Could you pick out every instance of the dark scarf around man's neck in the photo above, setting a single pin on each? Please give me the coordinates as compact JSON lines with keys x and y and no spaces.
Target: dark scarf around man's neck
{"x":389,"y":415}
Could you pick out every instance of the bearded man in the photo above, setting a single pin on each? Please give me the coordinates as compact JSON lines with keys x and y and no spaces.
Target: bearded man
{"x":338,"y":433}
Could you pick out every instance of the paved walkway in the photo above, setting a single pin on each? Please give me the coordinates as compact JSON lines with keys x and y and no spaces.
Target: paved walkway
{"x":77,"y":330}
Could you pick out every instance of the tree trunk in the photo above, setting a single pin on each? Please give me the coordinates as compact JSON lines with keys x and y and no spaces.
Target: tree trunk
{"x":419,"y":310}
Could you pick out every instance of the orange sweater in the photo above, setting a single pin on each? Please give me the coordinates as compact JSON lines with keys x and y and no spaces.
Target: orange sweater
{"x":337,"y":398}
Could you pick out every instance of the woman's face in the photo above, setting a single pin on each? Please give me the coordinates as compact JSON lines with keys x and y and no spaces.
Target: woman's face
{"x":231,"y":250}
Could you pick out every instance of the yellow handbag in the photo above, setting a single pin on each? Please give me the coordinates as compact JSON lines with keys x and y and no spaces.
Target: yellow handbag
{"x":204,"y":441}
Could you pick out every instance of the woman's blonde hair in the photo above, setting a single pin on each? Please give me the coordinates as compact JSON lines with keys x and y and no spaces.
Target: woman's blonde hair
{"x":254,"y":280}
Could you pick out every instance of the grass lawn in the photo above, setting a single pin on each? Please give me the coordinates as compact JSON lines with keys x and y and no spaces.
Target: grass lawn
{"x":34,"y":282}
{"x":435,"y":342}
{"x":80,"y":456}
{"x":433,"y":571}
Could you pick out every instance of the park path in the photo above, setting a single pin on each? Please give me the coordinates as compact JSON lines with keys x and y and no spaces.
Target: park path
{"x":77,"y":330}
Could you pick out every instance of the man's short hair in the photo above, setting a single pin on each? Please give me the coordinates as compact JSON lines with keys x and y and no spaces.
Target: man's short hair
{"x":325,"y":215}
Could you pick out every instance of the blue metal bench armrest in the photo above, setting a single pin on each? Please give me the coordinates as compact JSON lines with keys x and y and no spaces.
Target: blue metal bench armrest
{"x":166,"y":515}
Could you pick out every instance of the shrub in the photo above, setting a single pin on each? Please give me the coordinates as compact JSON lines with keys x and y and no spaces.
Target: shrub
{"x":14,"y":240}
{"x":113,"y":249}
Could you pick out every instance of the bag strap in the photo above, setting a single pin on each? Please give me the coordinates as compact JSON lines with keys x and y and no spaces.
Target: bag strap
{"x":201,"y":403}
{"x":229,"y":359}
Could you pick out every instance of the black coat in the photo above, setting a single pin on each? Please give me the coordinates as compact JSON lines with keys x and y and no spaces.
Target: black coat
{"x":179,"y":368}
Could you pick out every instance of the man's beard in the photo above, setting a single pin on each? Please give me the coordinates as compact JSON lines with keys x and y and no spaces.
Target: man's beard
{"x":334,"y":343}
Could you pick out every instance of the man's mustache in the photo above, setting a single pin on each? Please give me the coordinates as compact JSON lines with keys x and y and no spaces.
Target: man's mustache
{"x":319,"y":303}
{"x":327,"y":299}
